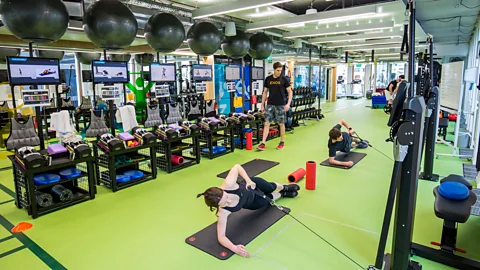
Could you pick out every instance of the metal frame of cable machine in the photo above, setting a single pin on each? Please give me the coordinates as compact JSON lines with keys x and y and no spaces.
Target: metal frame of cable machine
{"x":408,"y":139}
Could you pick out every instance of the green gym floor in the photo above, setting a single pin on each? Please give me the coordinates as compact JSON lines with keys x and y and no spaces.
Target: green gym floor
{"x":145,"y":226}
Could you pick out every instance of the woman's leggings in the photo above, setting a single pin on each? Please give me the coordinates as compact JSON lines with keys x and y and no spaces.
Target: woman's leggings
{"x":267,"y":188}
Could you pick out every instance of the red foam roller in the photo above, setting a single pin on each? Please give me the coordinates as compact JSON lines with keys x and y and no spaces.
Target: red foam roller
{"x":296,"y":175}
{"x":177,"y":160}
{"x":311,"y":181}
{"x":249,"y":137}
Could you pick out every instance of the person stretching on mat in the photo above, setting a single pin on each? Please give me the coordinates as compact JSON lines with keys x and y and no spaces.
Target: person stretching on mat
{"x":231,"y":197}
{"x":343,"y":142}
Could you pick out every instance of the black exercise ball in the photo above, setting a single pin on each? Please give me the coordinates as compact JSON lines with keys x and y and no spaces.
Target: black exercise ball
{"x":204,"y":38}
{"x":87,"y":58}
{"x":110,"y":24}
{"x":120,"y":57}
{"x":237,"y":46}
{"x":144,"y":59}
{"x":39,"y":21}
{"x":261,"y":46}
{"x":4,"y":52}
{"x":50,"y":54}
{"x":164,"y":32}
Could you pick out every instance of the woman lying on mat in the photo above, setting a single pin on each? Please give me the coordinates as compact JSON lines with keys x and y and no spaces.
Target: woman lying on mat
{"x":343,"y":142}
{"x":232,"y":197}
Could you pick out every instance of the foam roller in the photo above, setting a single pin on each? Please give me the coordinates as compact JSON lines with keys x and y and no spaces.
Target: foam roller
{"x":296,"y":176}
{"x":44,"y":199}
{"x":61,"y":193}
{"x":177,"y":160}
{"x":311,"y":181}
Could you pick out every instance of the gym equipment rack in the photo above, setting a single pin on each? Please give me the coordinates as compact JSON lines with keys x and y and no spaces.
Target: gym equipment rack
{"x":109,"y":164}
{"x":187,"y":147}
{"x":82,"y":186}
{"x":208,"y":139}
{"x":239,"y":134}
{"x":304,"y":96}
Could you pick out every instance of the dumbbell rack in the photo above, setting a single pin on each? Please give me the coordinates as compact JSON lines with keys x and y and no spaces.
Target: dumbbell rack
{"x":109,"y":164}
{"x":186,"y":146}
{"x":210,"y":138}
{"x":303,"y":97}
{"x":83,"y":186}
{"x":239,"y":136}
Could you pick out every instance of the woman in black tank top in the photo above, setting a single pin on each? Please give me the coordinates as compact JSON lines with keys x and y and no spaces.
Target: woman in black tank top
{"x":232,"y":197}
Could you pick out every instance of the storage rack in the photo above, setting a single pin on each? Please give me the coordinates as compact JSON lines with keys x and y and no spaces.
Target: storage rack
{"x":83,"y":186}
{"x":239,"y":134}
{"x":109,"y":164}
{"x":210,"y":138}
{"x":186,"y":146}
{"x":304,"y":97}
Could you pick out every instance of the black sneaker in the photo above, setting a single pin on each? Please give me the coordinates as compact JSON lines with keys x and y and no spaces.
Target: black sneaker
{"x":288,"y":194}
{"x":291,"y":187}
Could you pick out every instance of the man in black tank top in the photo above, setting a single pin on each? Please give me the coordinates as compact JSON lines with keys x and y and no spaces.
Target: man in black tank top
{"x":393,"y":87}
{"x":232,"y":197}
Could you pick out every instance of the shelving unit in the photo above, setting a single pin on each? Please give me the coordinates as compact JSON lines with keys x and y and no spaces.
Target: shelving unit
{"x":222,"y":136}
{"x":302,"y":106}
{"x":83,"y":186}
{"x":187,"y":147}
{"x":239,"y":134}
{"x":110,"y":164}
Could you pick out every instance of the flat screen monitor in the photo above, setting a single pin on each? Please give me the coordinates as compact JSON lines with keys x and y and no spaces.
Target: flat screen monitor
{"x":109,"y":72}
{"x":162,"y":72}
{"x":257,"y":73}
{"x":87,"y":76}
{"x":232,"y":73}
{"x":202,"y":73}
{"x":30,"y":71}
{"x":3,"y":76}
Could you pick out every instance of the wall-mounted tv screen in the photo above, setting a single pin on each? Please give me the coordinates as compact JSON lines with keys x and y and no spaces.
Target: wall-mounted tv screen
{"x":162,"y":72}
{"x":232,"y":73}
{"x":29,"y":71}
{"x":87,"y":76}
{"x":109,"y":72}
{"x":257,"y":73}
{"x":202,"y":72}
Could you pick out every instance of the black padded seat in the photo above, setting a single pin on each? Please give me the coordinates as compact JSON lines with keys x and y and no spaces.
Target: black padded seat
{"x":457,"y":178}
{"x":452,"y":210}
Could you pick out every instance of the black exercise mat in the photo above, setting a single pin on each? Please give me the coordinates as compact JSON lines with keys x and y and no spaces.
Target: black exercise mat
{"x":253,"y":167}
{"x":352,"y":156}
{"x":242,"y":227}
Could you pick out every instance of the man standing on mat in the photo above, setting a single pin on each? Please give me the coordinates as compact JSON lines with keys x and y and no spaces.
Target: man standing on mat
{"x":275,"y":109}
{"x":343,"y":142}
{"x":232,"y":196}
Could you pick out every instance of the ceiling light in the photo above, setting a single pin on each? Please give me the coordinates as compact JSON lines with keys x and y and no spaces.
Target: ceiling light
{"x":230,"y":7}
{"x":296,"y":25}
{"x":338,"y":30}
{"x":264,"y":14}
{"x":325,"y":17}
{"x":379,"y":47}
{"x":366,"y":43}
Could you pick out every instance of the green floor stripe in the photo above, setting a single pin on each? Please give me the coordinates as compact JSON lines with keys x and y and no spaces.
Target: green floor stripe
{"x":7,"y":190}
{"x":12,"y":251}
{"x":7,"y":238}
{"x":28,"y":243}
{"x":5,"y":202}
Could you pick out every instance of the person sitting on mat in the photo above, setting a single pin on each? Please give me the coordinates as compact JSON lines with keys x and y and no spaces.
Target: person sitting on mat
{"x":343,"y":142}
{"x":232,"y":197}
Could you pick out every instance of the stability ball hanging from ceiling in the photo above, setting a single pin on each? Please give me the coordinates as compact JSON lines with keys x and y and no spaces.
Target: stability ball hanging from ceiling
{"x":4,"y":52}
{"x":110,"y":24}
{"x":50,"y":54}
{"x":237,"y":46}
{"x":164,"y":32}
{"x":39,"y":21}
{"x":261,"y":46}
{"x":87,"y":58}
{"x":144,"y":59}
{"x":120,"y":57}
{"x":204,"y":38}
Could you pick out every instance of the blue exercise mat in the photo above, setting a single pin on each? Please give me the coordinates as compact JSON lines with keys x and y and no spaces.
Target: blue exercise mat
{"x":70,"y":173}
{"x":454,"y":191}
{"x":133,"y":174}
{"x":122,"y":178}
{"x":46,"y":178}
